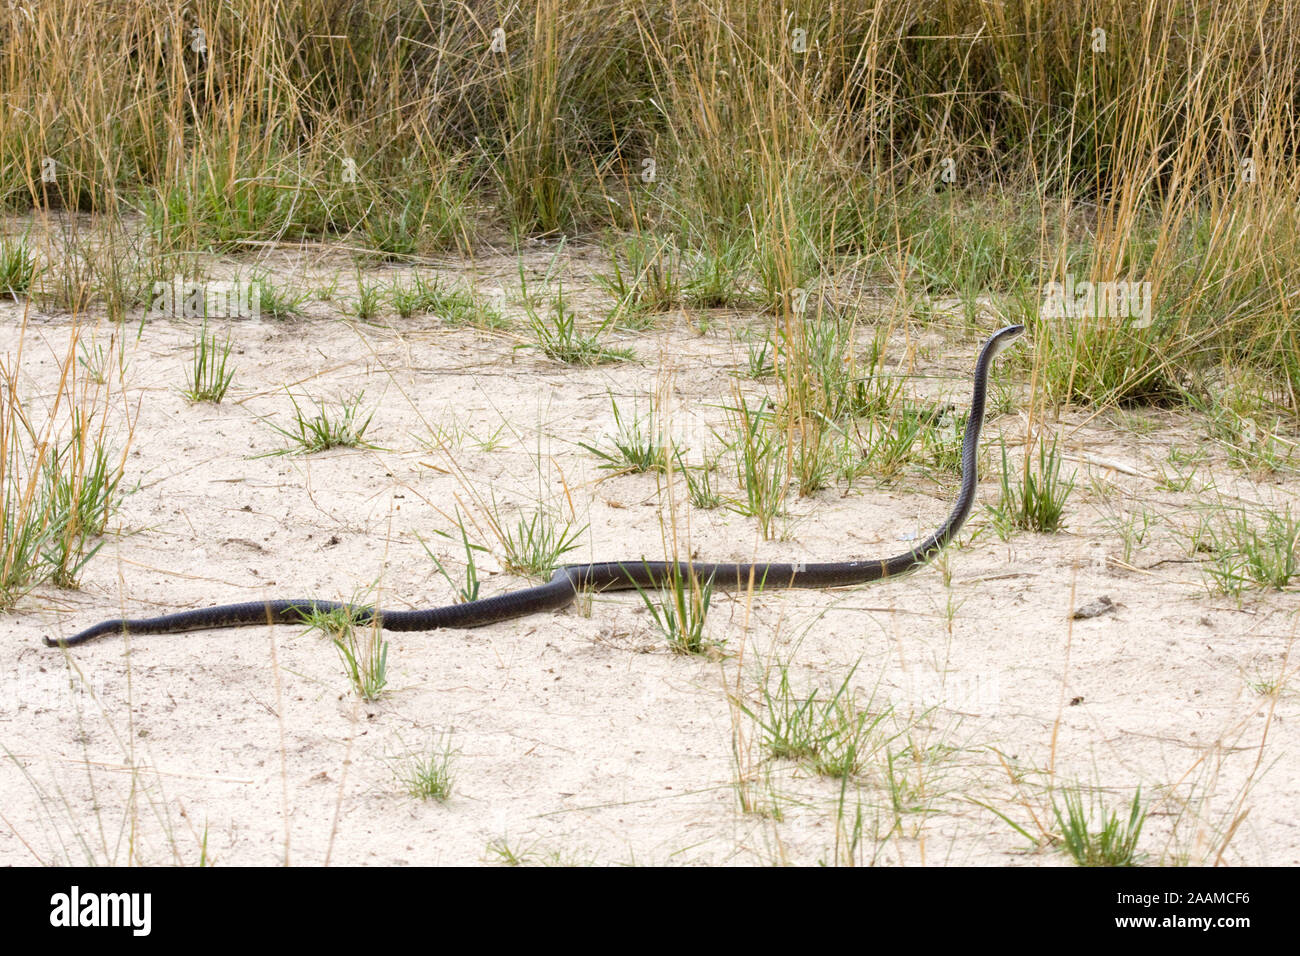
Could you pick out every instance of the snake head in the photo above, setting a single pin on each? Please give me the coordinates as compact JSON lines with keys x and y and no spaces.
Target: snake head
{"x":1004,"y":337}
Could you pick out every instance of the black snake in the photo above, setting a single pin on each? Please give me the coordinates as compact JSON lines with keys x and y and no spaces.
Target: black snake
{"x":613,"y":576}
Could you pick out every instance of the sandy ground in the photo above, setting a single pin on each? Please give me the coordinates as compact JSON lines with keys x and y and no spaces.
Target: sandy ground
{"x":577,"y":736}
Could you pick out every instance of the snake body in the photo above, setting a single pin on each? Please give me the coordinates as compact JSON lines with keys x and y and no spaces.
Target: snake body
{"x":566,"y":581}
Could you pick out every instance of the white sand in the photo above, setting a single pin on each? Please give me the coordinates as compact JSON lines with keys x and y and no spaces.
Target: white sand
{"x":580,"y":737}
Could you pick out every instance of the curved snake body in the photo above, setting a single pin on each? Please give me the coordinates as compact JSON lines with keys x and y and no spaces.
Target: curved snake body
{"x":611,"y":576}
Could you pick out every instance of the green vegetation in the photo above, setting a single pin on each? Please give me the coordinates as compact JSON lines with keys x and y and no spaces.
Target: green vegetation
{"x":328,"y":428}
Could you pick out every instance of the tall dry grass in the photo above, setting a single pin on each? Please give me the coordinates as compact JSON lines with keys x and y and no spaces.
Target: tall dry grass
{"x":941,"y":148}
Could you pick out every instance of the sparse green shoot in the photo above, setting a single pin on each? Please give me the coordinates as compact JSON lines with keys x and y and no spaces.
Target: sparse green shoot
{"x":209,"y":377}
{"x":469,"y":590}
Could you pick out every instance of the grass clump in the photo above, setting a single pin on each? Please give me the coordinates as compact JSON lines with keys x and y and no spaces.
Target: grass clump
{"x":833,"y":737}
{"x":700,"y":491}
{"x":636,"y":447}
{"x":369,"y":300}
{"x":680,"y":608}
{"x":455,"y":306}
{"x":1037,"y":501}
{"x":328,"y":428}
{"x":1115,"y":844}
{"x":364,"y":656}
{"x":535,"y":545}
{"x":17,"y":269}
{"x":80,"y":493}
{"x":760,"y":463}
{"x":428,"y":775}
{"x":60,"y":480}
{"x":558,"y":337}
{"x":276,"y":300}
{"x":1251,"y":551}
{"x":209,"y":378}
{"x":645,"y":275}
